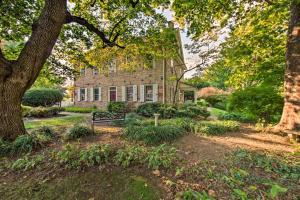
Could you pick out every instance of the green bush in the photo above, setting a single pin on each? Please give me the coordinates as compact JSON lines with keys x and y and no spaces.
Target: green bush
{"x":72,"y":157}
{"x":78,"y":131}
{"x":117,"y":107}
{"x":44,"y":134}
{"x":94,"y":155}
{"x":24,"y":143}
{"x":41,"y":111}
{"x":152,"y":135}
{"x":5,"y":147}
{"x":260,"y":102}
{"x":185,"y":123}
{"x":27,"y":163}
{"x":161,"y":156}
{"x":215,"y":99}
{"x":148,"y":109}
{"x":215,"y":127}
{"x":192,"y":110}
{"x":42,"y":97}
{"x":202,"y":102}
{"x":193,"y":195}
{"x":130,"y":155}
{"x":167,"y":111}
{"x":236,"y":117}
{"x":79,"y":109}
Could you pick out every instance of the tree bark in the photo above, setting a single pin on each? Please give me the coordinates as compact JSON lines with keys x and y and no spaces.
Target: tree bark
{"x":17,"y":76}
{"x":290,"y":120}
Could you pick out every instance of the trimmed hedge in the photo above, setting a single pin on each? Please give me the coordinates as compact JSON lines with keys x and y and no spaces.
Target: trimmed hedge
{"x":116,"y":107}
{"x":40,"y":111}
{"x":79,"y":109}
{"x":42,"y":97}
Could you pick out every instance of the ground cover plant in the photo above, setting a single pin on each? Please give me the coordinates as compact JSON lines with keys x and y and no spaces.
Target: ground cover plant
{"x":77,"y":131}
{"x":215,"y":127}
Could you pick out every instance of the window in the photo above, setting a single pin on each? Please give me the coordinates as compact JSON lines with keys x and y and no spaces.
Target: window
{"x":82,"y":71}
{"x":149,"y":93}
{"x":82,"y":94}
{"x":96,"y":94}
{"x":112,"y":93}
{"x":112,"y":66}
{"x":95,"y":71}
{"x":129,"y":93}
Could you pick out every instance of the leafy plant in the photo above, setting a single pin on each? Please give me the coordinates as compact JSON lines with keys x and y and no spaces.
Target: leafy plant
{"x":25,"y":163}
{"x":44,"y":134}
{"x":167,"y":111}
{"x":24,"y":143}
{"x":5,"y":147}
{"x":192,"y":110}
{"x":116,"y":107}
{"x":193,"y":195}
{"x":69,"y":156}
{"x":148,"y":109}
{"x":276,"y":190}
{"x":152,"y":135}
{"x":161,"y":156}
{"x":130,"y":155}
{"x":215,"y":127}
{"x":236,"y":117}
{"x":94,"y":155}
{"x":240,"y":194}
{"x":42,"y":97}
{"x":78,"y":131}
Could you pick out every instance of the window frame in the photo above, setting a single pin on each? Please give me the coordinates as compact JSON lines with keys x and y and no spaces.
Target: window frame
{"x":126,"y":93}
{"x":109,"y":93}
{"x":94,"y":94}
{"x":146,"y":99}
{"x":82,"y":94}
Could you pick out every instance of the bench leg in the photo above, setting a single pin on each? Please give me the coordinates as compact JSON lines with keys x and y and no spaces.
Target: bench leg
{"x":93,"y":128}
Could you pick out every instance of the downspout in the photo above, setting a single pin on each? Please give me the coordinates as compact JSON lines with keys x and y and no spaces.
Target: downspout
{"x":164,"y":80}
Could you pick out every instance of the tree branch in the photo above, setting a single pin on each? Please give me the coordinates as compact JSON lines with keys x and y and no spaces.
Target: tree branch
{"x":79,"y":20}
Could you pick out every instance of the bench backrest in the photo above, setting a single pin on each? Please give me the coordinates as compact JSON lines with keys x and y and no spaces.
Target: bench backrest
{"x":108,"y":116}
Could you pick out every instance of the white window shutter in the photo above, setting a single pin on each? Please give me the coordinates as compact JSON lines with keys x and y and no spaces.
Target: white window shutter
{"x":142,"y":93}
{"x":86,"y":95}
{"x":134,"y":93}
{"x":91,"y":94}
{"x":100,"y":94}
{"x":78,"y":94}
{"x":155,"y":92}
{"x":123,"y":93}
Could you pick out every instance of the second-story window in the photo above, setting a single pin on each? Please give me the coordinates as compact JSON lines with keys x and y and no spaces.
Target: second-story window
{"x":112,"y":66}
{"x":82,"y":72}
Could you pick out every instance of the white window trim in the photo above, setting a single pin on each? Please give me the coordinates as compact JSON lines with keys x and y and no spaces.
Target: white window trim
{"x":109,"y":100}
{"x":145,"y":100}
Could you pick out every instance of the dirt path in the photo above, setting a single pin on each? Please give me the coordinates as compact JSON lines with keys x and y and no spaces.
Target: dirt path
{"x":196,"y":147}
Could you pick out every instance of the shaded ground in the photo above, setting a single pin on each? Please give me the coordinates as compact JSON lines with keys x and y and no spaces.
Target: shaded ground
{"x":196,"y":147}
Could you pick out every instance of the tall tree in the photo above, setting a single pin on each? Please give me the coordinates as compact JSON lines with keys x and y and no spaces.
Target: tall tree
{"x":40,"y":23}
{"x":209,"y":15}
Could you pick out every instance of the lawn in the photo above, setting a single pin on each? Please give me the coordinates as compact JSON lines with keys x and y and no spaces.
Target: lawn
{"x":55,"y":121}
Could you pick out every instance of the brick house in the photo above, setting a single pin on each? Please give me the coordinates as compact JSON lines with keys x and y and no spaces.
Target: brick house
{"x":153,"y":84}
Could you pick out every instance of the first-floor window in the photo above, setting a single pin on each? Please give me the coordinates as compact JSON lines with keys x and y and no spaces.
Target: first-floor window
{"x":149,"y":92}
{"x":82,"y":94}
{"x":96,"y":94}
{"x":112,"y":93}
{"x":129,"y":93}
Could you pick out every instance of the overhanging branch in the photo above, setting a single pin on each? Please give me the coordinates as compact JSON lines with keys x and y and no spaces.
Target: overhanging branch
{"x":79,"y":20}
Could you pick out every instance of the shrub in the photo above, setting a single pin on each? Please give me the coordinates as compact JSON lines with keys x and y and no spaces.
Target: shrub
{"x":152,"y":135}
{"x":130,"y":155}
{"x":236,"y":117}
{"x":24,"y":143}
{"x":42,"y":97}
{"x":148,"y":109}
{"x":192,"y":110}
{"x":5,"y":147}
{"x":41,"y":111}
{"x":216,"y":100}
{"x":185,"y":123}
{"x":161,"y":156}
{"x":78,"y":131}
{"x":116,"y":107}
{"x":202,"y":102}
{"x":27,"y":163}
{"x":94,"y":155}
{"x":69,"y":156}
{"x":79,"y":109}
{"x":260,"y":102}
{"x":44,"y":134}
{"x":72,"y":157}
{"x":215,"y":127}
{"x":193,"y":195}
{"x":167,"y":111}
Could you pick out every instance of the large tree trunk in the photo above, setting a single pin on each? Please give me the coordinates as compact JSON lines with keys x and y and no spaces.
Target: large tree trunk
{"x":290,"y":119}
{"x":17,"y":76}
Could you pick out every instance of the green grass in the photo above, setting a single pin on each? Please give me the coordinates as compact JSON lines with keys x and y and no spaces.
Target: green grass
{"x":57,"y":121}
{"x":87,"y":185}
{"x":79,"y":109}
{"x":217,"y":112}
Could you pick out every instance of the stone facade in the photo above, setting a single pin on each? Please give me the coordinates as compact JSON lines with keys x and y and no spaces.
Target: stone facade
{"x":153,"y":84}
